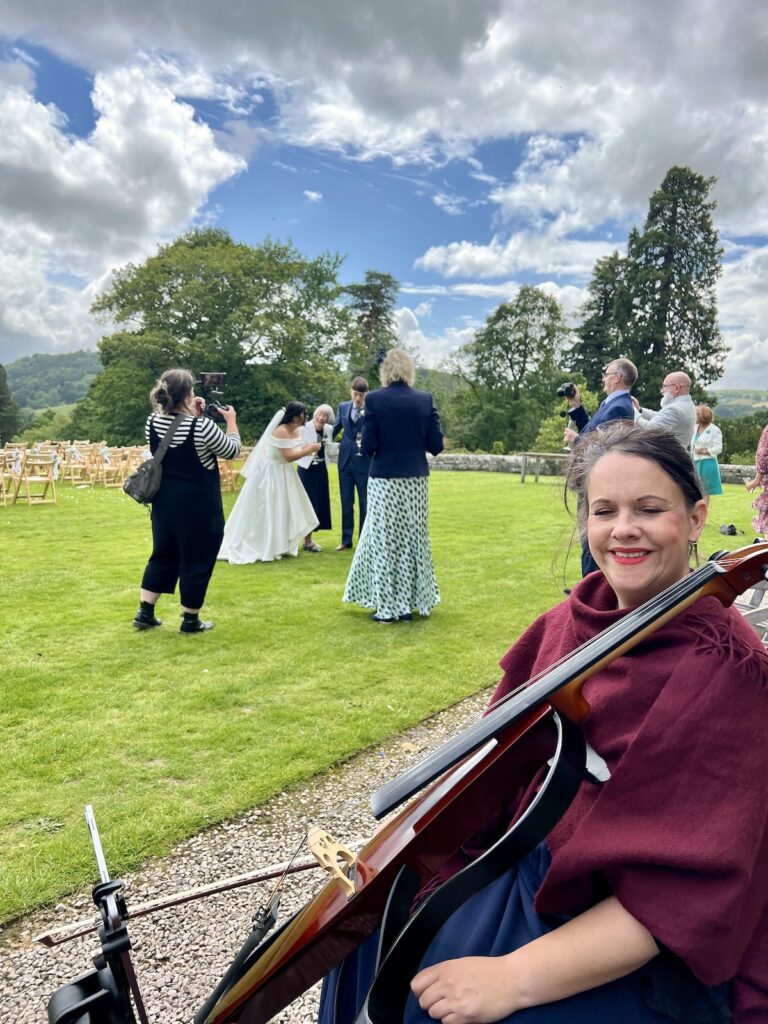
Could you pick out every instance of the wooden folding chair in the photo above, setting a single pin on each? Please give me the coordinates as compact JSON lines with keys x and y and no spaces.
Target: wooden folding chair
{"x":35,"y":478}
{"x":226,"y":475}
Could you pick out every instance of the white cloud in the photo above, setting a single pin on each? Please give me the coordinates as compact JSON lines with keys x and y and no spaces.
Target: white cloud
{"x":743,"y":306}
{"x":545,"y":253}
{"x":451,"y":204}
{"x":430,"y":350}
{"x":312,"y":197}
{"x":80,"y":207}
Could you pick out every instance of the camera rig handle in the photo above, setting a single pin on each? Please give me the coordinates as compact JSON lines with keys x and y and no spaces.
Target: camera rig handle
{"x":108,"y":993}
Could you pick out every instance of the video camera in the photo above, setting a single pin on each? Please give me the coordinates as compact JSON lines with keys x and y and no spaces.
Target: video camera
{"x":566,"y":390}
{"x":212,"y":384}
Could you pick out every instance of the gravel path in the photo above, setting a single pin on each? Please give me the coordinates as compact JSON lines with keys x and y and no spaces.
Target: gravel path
{"x":180,"y":954}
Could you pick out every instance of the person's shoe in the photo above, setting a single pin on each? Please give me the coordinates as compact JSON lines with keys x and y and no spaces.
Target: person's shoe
{"x":405,"y":618}
{"x":375,"y":617}
{"x":344,"y":547}
{"x":146,"y":622}
{"x":311,"y":547}
{"x":197,"y":626}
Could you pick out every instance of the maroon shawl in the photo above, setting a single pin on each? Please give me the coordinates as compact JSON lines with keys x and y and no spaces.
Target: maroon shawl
{"x":680,"y":832}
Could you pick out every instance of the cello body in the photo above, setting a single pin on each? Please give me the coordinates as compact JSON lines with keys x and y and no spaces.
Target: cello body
{"x":420,"y":839}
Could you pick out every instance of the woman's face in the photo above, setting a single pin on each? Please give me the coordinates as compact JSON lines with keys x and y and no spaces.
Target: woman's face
{"x":639,"y":526}
{"x":321,"y":418}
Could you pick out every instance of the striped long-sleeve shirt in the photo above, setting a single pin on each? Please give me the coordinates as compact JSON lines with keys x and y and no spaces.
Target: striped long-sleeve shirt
{"x":210,"y":441}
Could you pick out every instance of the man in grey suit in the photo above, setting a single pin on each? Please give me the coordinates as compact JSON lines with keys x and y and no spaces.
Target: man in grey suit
{"x":353,"y":462}
{"x":678,"y":411}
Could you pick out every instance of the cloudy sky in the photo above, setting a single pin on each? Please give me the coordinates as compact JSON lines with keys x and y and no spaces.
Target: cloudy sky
{"x":465,"y":146}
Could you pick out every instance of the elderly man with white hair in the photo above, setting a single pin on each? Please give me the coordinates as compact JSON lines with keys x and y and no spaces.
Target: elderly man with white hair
{"x":678,"y":411}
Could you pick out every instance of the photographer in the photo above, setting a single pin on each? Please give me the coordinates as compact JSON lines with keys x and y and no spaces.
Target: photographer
{"x":187,"y":513}
{"x":618,"y":378}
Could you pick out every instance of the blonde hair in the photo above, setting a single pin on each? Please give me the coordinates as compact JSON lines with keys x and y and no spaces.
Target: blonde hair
{"x":397,"y":365}
{"x":704,"y":414}
{"x":328,"y":410}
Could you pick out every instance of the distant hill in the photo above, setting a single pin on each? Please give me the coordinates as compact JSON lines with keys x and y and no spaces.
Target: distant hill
{"x":733,"y":404}
{"x":42,"y":381}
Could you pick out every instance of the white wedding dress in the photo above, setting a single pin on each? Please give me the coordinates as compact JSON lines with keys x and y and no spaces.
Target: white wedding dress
{"x":272,"y":514}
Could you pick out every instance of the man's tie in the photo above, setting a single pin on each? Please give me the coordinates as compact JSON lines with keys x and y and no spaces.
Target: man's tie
{"x":354,"y":414}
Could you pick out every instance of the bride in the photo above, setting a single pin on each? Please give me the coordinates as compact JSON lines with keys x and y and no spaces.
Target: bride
{"x":272,"y":514}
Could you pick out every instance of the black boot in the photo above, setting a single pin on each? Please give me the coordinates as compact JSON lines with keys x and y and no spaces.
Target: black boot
{"x":191,"y":624}
{"x":145,"y":617}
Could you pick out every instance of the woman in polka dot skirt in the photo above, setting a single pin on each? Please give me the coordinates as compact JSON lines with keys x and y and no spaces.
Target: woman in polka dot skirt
{"x":392,"y":571}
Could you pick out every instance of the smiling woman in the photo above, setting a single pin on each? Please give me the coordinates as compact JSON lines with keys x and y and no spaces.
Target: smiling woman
{"x":648,"y":901}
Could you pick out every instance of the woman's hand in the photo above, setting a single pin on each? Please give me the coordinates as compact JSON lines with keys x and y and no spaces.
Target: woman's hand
{"x":310,"y":449}
{"x":230,"y":418}
{"x":472,"y":990}
{"x":197,"y":406}
{"x":754,"y":483}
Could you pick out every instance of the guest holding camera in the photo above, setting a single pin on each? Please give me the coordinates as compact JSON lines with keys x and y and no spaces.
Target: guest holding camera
{"x":187,"y":513}
{"x":392,"y":570}
{"x":313,"y":471}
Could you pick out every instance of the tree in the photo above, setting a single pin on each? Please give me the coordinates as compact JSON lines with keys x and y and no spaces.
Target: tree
{"x":372,"y":306}
{"x":601,"y":334}
{"x":267,"y":316}
{"x":10,"y":419}
{"x":672,"y":270}
{"x":512,"y":369}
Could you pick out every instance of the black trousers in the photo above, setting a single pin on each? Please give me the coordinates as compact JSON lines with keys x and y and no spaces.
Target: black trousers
{"x":187,"y":531}
{"x":352,"y":479}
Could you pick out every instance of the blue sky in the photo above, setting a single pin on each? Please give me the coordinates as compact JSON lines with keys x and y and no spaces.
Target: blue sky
{"x":465,"y":149}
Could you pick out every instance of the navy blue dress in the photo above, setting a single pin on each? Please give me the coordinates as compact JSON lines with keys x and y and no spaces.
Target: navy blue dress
{"x":501,"y":918}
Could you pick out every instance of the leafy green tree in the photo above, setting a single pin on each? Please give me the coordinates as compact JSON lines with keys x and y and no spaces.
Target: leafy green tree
{"x":512,"y":369}
{"x":265,"y":315}
{"x":49,"y":425}
{"x":740,"y":437}
{"x":372,"y":305}
{"x":605,"y":314}
{"x":10,"y":419}
{"x":672,"y":271}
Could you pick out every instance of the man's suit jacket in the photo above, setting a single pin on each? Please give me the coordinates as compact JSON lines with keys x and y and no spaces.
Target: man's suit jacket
{"x":620,"y":408}
{"x":348,"y":450}
{"x":400,"y":425}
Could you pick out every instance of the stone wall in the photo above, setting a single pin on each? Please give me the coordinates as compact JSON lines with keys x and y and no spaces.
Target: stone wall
{"x":550,"y":464}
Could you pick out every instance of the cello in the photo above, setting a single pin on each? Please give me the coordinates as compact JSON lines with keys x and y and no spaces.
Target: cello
{"x":464,"y":777}
{"x":534,"y":725}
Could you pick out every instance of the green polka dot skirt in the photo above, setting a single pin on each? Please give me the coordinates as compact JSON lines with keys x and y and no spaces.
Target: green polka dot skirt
{"x":392,"y":571}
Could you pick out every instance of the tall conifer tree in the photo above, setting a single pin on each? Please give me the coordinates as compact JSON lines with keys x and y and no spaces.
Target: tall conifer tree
{"x":673,"y":268}
{"x":602,"y":331}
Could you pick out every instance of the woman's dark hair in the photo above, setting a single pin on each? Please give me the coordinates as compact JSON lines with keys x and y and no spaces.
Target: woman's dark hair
{"x":172,"y":390}
{"x":292,"y":410}
{"x":652,"y":443}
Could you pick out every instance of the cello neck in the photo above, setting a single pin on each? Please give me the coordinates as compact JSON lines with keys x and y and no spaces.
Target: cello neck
{"x":576,"y":668}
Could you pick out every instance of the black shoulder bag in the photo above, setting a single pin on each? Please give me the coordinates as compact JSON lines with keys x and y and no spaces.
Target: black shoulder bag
{"x":144,"y":483}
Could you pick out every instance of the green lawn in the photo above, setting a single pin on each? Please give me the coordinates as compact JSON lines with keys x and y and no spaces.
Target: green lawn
{"x":166,"y":733}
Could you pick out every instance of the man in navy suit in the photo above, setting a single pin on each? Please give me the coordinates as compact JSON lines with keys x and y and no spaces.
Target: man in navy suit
{"x":618,"y":378}
{"x":353,"y":462}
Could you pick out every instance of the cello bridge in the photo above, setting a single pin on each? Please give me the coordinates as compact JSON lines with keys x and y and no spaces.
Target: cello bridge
{"x":335,"y":858}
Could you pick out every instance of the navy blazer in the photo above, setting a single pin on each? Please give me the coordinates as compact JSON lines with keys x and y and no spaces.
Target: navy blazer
{"x":620,"y":408}
{"x":399,"y":426}
{"x":348,"y":447}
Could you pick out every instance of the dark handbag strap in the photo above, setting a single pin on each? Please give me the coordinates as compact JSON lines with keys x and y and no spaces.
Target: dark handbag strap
{"x":165,"y":444}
